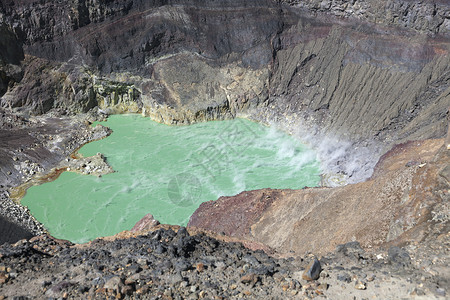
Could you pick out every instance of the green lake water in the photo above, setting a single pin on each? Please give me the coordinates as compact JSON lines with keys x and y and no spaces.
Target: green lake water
{"x":168,"y":171}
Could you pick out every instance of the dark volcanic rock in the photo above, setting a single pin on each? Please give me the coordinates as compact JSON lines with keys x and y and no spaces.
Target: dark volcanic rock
{"x":179,"y":62}
{"x":431,"y":17}
{"x":45,"y":267}
{"x":352,"y":77}
{"x":80,"y":60}
{"x":312,"y":271}
{"x":11,"y":50}
{"x":11,"y":233}
{"x":399,"y":256}
{"x":11,"y":55}
{"x":133,"y":31}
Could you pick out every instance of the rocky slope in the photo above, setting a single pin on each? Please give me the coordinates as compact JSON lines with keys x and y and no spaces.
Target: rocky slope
{"x":173,"y":264}
{"x":352,"y":78}
{"x":301,"y":66}
{"x":34,"y":150}
{"x":405,"y":199}
{"x":130,"y":51}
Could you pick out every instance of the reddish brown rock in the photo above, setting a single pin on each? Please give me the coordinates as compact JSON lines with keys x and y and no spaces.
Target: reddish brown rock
{"x":3,"y":278}
{"x":233,"y":216}
{"x":200,"y":267}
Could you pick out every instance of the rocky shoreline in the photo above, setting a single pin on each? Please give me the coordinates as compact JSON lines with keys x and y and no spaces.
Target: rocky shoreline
{"x":47,"y":145}
{"x":366,"y":83}
{"x":21,"y":217}
{"x":161,"y":263}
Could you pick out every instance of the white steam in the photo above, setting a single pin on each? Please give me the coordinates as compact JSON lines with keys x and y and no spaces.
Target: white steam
{"x":342,"y":161}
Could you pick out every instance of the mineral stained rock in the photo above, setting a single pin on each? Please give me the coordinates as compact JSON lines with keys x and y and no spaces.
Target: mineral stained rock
{"x":375,"y":78}
{"x":352,"y":78}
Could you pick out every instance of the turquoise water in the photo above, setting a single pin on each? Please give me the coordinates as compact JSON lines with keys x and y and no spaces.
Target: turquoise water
{"x":168,"y":172}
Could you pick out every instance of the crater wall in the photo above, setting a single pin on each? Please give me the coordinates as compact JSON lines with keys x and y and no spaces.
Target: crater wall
{"x":352,"y":78}
{"x":333,"y":65}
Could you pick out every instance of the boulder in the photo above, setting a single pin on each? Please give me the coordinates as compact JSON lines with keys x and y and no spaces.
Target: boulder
{"x":145,"y":224}
{"x":312,"y":271}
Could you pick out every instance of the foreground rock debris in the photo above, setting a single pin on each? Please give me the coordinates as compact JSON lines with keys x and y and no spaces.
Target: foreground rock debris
{"x":169,"y":263}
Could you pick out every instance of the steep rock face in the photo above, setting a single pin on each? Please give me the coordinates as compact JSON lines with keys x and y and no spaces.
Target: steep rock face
{"x":181,"y":62}
{"x":11,"y":55}
{"x":47,"y":84}
{"x":353,"y":90}
{"x":142,"y":55}
{"x":363,"y":81}
{"x":432,"y":16}
{"x":122,"y":35}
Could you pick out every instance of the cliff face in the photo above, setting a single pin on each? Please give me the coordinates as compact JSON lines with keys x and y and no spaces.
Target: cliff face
{"x":333,"y":68}
{"x":431,"y":16}
{"x":367,"y":80}
{"x":141,"y":54}
{"x":121,"y":35}
{"x":370,"y":85}
{"x":10,"y":56}
{"x":362,"y":80}
{"x":353,"y":78}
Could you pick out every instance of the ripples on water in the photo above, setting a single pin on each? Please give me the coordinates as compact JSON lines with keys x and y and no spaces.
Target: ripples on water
{"x":168,"y":171}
